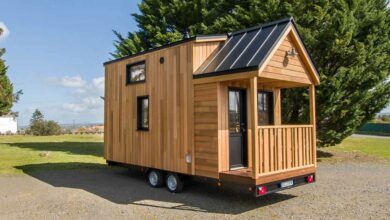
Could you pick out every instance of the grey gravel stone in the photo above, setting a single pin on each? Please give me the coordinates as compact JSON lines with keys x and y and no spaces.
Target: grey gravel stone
{"x":347,"y":190}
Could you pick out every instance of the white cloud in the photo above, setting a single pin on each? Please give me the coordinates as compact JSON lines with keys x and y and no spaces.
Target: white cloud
{"x":79,"y":85}
{"x":85,"y":104}
{"x":98,"y":82}
{"x":74,"y":107}
{"x":5,"y":32}
{"x":87,"y":93}
{"x":72,"y":82}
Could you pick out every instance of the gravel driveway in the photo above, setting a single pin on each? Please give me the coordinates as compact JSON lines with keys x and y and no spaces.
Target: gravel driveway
{"x":347,"y":190}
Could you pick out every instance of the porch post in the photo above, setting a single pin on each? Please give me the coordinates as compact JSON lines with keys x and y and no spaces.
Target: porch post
{"x":312,"y":95}
{"x":254,"y":131}
{"x":277,"y":107}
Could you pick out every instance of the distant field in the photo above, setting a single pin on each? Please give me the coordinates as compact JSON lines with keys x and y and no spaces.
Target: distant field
{"x":373,"y":146}
{"x":19,"y":154}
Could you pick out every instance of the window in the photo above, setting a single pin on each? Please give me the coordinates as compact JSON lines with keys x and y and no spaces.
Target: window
{"x":135,"y":73}
{"x":265,"y":108}
{"x":143,"y":113}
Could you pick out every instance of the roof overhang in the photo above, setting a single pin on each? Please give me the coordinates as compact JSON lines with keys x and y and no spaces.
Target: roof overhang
{"x":273,"y":45}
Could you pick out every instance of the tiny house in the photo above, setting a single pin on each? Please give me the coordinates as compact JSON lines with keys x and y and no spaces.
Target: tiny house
{"x":210,"y":106}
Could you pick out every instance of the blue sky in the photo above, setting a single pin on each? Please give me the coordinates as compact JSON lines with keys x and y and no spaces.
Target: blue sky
{"x":55,"y":51}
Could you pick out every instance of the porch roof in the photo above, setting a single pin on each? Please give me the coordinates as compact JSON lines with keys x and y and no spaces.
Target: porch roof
{"x":246,"y":50}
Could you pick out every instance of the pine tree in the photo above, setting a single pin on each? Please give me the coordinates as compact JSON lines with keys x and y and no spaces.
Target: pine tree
{"x":347,"y":39}
{"x":7,"y":97}
{"x":164,"y":21}
{"x":37,"y":116}
{"x":6,"y":88}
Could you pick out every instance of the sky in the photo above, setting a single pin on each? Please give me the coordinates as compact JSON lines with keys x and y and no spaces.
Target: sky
{"x":55,"y":54}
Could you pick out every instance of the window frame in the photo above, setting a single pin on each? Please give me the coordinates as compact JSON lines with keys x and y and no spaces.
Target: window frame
{"x":128,"y":72}
{"x":140,"y":127}
{"x":270,"y":106}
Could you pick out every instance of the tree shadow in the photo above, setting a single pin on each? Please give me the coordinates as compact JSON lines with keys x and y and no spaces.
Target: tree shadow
{"x":76,"y":148}
{"x":323,"y":155}
{"x":120,"y":186}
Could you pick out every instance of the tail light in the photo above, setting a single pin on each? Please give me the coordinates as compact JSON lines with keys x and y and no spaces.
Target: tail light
{"x":261,"y":190}
{"x":310,"y":179}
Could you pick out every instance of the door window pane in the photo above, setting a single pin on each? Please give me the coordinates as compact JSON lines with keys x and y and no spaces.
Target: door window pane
{"x":234,"y":111}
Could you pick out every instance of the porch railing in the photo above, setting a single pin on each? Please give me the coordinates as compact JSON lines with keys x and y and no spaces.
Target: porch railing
{"x":285,"y":147}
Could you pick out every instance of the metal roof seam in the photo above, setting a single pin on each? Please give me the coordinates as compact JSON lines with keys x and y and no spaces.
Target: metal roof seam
{"x":247,"y":46}
{"x":230,"y":52}
{"x":278,"y":39}
{"x":261,"y":46}
{"x":226,"y":43}
{"x":283,"y":20}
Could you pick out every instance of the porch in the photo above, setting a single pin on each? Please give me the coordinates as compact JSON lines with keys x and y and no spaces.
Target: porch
{"x":252,"y":143}
{"x":275,"y":151}
{"x":271,"y":150}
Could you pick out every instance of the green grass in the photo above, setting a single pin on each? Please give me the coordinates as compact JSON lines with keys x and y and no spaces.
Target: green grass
{"x":374,"y":146}
{"x":20,"y":154}
{"x":23,"y":154}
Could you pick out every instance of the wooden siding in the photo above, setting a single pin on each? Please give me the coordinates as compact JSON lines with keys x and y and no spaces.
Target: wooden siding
{"x":170,"y":135}
{"x":206,"y":129}
{"x":285,"y":147}
{"x":202,"y":51}
{"x":286,"y":68}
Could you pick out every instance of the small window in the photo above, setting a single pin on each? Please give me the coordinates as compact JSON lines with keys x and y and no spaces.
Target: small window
{"x":265,"y":108}
{"x":143,"y":113}
{"x":135,"y":73}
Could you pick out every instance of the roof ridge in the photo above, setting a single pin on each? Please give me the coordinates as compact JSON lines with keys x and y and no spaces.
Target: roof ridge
{"x":282,"y":20}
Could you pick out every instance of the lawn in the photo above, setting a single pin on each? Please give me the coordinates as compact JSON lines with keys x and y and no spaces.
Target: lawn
{"x":20,"y":154}
{"x":374,"y":146}
{"x":23,"y":154}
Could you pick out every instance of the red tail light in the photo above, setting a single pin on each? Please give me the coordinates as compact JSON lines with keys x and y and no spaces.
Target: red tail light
{"x":261,"y":190}
{"x":310,"y":179}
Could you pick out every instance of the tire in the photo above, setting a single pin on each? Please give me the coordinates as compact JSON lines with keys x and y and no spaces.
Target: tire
{"x":155,"y":178}
{"x":174,"y":183}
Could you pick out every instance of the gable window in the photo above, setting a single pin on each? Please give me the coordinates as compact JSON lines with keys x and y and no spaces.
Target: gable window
{"x":143,"y":113}
{"x":135,"y":73}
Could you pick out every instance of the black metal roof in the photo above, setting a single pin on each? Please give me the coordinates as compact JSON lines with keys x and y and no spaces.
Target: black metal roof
{"x":246,"y":49}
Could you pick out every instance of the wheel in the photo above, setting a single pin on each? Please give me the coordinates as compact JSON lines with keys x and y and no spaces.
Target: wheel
{"x":155,"y":178}
{"x":174,"y":183}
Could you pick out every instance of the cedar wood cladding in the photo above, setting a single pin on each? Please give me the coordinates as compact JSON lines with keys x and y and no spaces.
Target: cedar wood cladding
{"x":170,"y":90}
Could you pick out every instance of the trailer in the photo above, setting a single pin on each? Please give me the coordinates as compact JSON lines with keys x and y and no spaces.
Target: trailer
{"x":210,"y":106}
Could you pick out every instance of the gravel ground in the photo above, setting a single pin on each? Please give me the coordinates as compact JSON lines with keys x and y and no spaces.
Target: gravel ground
{"x":347,"y":190}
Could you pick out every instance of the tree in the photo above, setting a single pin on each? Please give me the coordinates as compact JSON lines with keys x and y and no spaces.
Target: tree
{"x":7,"y":97}
{"x":347,"y":39}
{"x":40,"y":127}
{"x":52,"y":128}
{"x":37,"y":116}
{"x":37,"y":123}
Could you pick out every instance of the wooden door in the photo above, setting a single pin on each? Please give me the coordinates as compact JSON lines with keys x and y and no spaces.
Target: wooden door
{"x":237,"y":128}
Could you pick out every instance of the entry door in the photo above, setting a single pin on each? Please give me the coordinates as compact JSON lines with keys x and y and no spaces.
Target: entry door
{"x":237,"y":128}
